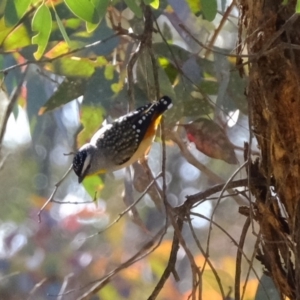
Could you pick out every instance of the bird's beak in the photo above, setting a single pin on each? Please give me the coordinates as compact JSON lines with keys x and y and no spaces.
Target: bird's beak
{"x":80,"y":178}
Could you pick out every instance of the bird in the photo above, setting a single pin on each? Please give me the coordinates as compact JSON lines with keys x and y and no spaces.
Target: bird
{"x":121,"y":143}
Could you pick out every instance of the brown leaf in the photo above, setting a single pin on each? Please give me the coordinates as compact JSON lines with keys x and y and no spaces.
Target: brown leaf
{"x":211,"y":140}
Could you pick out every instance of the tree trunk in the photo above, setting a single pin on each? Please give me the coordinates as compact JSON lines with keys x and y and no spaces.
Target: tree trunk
{"x":272,"y":33}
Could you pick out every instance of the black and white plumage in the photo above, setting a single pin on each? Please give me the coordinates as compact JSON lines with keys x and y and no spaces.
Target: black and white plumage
{"x":117,"y":145}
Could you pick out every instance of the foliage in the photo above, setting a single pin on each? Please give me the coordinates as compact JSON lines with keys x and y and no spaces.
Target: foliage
{"x":72,"y":62}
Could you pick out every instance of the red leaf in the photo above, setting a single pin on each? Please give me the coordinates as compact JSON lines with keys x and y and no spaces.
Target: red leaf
{"x":211,"y":140}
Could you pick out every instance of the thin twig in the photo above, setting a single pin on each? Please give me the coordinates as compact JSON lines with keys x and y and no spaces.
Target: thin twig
{"x":250,"y":262}
{"x":36,"y":286}
{"x":100,"y":283}
{"x":5,"y":277}
{"x":3,"y":160}
{"x":238,"y":262}
{"x":218,"y":279}
{"x":217,"y":31}
{"x":170,"y":266}
{"x":72,"y":202}
{"x":125,"y":211}
{"x":11,"y":103}
{"x":215,"y":208}
{"x":64,"y":285}
{"x":50,"y":199}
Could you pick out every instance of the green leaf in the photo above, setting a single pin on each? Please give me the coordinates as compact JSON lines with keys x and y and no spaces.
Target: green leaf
{"x":145,"y":77}
{"x":194,"y":6}
{"x":117,"y":87}
{"x":135,"y":7}
{"x":298,"y":7}
{"x":91,"y":119}
{"x":155,"y":4}
{"x":209,"y":9}
{"x":42,"y":23}
{"x":93,"y":185}
{"x":101,"y":6}
{"x":69,"y":90}
{"x":99,"y":94}
{"x":61,"y":27}
{"x":109,"y":72}
{"x":73,"y":66}
{"x":84,"y":9}
{"x":14,"y":11}
{"x":17,"y":39}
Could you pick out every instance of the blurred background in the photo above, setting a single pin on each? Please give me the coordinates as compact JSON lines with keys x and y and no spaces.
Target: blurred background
{"x":51,"y":103}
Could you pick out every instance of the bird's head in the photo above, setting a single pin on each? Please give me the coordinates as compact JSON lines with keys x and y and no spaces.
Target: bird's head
{"x":82,"y":161}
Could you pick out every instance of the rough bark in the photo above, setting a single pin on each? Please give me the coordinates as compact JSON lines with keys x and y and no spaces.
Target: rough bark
{"x":274,"y":106}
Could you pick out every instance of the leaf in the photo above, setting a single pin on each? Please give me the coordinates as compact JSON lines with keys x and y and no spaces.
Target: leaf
{"x":267,"y":289}
{"x":61,"y":27}
{"x":16,"y":39}
{"x":93,"y":185}
{"x":84,"y":9}
{"x":155,"y":4}
{"x":109,"y":72}
{"x":99,"y":94}
{"x":298,"y":7}
{"x":145,"y":76}
{"x":42,"y":23}
{"x":62,"y":48}
{"x":73,"y":66}
{"x":195,"y":6}
{"x":4,"y":104}
{"x":69,"y":90}
{"x":14,"y":11}
{"x":101,"y":6}
{"x":91,"y":119}
{"x":210,"y":139}
{"x":117,"y":87}
{"x":209,"y":9}
{"x":134,"y":7}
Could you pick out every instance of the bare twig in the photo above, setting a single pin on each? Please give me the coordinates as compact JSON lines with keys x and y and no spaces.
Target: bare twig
{"x":100,"y":283}
{"x":193,"y":199}
{"x":250,"y":262}
{"x":145,"y":43}
{"x":72,"y":202}
{"x":36,"y":286}
{"x":11,"y":103}
{"x":170,"y":266}
{"x":64,"y":286}
{"x":218,"y":279}
{"x":50,"y":199}
{"x":3,"y":160}
{"x":215,"y":208}
{"x":217,"y":31}
{"x":238,"y":263}
{"x":125,"y":211}
{"x":5,"y":277}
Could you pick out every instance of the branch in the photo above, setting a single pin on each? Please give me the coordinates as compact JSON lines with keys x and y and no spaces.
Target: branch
{"x":49,"y":60}
{"x":11,"y":103}
{"x":238,"y":263}
{"x":171,"y":264}
{"x":50,"y":199}
{"x":136,"y":257}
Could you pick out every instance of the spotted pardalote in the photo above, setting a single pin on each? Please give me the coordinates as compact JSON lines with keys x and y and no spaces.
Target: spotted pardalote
{"x":120,"y":144}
